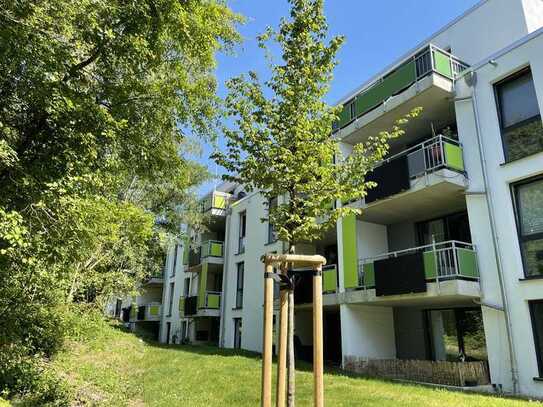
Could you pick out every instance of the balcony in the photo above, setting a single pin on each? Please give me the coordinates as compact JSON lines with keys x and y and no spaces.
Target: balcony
{"x":156,"y":278}
{"x":210,"y":300}
{"x":147,"y":312}
{"x":303,"y":292}
{"x":446,"y":269}
{"x":215,"y":203}
{"x":423,"y":79}
{"x":417,"y":181}
{"x":211,"y":251}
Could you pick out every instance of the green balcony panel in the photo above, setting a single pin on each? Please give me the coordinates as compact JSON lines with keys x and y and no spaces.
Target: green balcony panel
{"x":350,"y":258}
{"x":467,"y":263}
{"x":329,"y":280}
{"x":154,"y":310}
{"x":202,"y":286}
{"x":430,"y":264}
{"x":344,"y":116}
{"x":216,"y":249}
{"x":442,"y":64}
{"x":213,"y":301}
{"x":219,"y":201}
{"x":181,"y":306}
{"x":369,"y":275}
{"x":453,"y":156}
{"x":391,"y":85}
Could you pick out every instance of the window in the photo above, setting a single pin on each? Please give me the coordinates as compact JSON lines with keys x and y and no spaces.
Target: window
{"x":239,"y":285}
{"x":536,"y":311}
{"x":272,"y":235}
{"x":237,"y":333}
{"x":529,"y":213}
{"x":242,"y":231}
{"x":172,"y":274}
{"x":170,"y":307}
{"x":520,"y":119}
{"x":186,"y":287}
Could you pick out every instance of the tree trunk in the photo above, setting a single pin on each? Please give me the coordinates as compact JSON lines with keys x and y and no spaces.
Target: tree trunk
{"x":291,"y":369}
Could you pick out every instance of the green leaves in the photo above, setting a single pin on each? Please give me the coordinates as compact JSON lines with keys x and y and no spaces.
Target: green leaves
{"x":282,"y":145}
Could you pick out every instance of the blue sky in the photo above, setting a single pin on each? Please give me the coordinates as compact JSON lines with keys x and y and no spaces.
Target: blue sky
{"x":377,"y":33}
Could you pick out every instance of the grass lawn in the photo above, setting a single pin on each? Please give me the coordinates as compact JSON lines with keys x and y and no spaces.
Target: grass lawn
{"x":117,"y":368}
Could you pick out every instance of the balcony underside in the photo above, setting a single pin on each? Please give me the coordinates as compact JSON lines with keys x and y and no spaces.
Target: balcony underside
{"x":429,"y":196}
{"x":456,"y":292}
{"x":433,"y":93}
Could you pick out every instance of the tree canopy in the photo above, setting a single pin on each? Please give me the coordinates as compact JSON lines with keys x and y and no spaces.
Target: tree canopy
{"x":282,"y":144}
{"x":95,"y":97}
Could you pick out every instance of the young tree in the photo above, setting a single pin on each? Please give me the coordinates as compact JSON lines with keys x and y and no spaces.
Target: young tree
{"x":282,"y":145}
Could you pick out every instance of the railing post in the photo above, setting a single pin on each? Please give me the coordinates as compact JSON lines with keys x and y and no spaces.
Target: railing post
{"x":455,"y":258}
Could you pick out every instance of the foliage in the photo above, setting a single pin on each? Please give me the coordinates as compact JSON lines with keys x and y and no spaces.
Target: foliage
{"x":282,"y":144}
{"x":95,"y":96}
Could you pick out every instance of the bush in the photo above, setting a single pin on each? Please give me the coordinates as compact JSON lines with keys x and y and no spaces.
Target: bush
{"x":29,"y":380}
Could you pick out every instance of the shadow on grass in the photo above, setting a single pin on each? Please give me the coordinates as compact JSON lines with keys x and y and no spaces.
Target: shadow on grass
{"x":304,"y":366}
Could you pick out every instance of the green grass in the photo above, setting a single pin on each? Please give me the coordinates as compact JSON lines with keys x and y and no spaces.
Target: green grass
{"x":117,"y":368}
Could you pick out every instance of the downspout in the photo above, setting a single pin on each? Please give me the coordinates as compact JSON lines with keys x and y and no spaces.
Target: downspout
{"x":225,"y":277}
{"x":495,"y":240}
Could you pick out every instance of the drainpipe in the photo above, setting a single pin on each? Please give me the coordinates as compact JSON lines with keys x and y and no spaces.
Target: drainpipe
{"x":225,"y":268}
{"x":495,"y":240}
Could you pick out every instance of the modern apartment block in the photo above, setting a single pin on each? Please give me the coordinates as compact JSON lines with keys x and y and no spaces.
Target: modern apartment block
{"x":440,"y":279}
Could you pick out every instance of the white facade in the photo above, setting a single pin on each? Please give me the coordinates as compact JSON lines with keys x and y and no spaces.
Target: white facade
{"x":365,"y":317}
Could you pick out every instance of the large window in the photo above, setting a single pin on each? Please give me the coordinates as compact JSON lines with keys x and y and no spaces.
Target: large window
{"x":172,"y":274}
{"x":170,"y":306}
{"x":520,"y":119}
{"x":536,"y":309}
{"x":529,"y":211}
{"x":242,"y":231}
{"x":239,"y":285}
{"x":186,"y":287}
{"x":237,"y":333}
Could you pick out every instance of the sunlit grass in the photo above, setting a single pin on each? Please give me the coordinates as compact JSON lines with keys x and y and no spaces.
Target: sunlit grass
{"x":120,"y":369}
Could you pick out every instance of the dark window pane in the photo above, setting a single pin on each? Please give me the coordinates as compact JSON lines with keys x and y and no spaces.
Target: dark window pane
{"x":524,"y":140}
{"x":530,"y":206}
{"x":532,"y":252}
{"x":518,"y":101}
{"x":536,"y":308}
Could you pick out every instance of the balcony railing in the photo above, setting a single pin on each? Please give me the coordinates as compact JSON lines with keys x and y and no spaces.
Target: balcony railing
{"x":209,"y":248}
{"x":394,"y":174}
{"x":190,"y":306}
{"x":212,"y":300}
{"x":216,"y":200}
{"x":435,"y":262}
{"x":303,"y":293}
{"x":429,"y":60}
{"x":147,"y":312}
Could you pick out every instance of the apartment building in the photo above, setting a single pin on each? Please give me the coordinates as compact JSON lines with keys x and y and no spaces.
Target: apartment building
{"x":440,"y":278}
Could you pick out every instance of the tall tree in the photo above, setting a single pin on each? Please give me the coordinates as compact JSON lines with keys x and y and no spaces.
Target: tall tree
{"x":282,"y":145}
{"x":94,"y":95}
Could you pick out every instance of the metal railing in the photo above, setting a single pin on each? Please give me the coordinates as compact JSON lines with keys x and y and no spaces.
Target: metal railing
{"x":215,"y":200}
{"x":212,"y":300}
{"x":209,"y":248}
{"x":431,"y":155}
{"x":430,"y":59}
{"x":148,"y":312}
{"x":442,"y":261}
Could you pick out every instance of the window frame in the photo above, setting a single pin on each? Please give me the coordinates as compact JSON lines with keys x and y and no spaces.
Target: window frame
{"x":272,"y":234}
{"x":516,"y":209}
{"x":538,"y":351}
{"x":240,"y":266}
{"x":503,"y":130}
{"x":242,"y":227}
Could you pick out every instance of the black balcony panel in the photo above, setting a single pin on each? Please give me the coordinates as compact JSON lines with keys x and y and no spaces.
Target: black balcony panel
{"x":191,"y":305}
{"x":391,"y":178}
{"x":400,"y":275}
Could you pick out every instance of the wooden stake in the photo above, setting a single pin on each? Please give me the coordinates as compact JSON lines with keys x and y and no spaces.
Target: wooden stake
{"x":291,"y":362}
{"x":267,"y":338}
{"x":318,"y":389}
{"x":282,"y":357}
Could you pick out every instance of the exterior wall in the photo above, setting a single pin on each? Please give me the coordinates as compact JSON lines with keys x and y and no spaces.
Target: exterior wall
{"x":367,"y":331}
{"x":177,"y":279}
{"x":500,"y":177}
{"x":255,"y":246}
